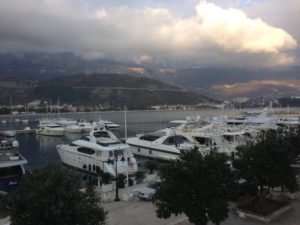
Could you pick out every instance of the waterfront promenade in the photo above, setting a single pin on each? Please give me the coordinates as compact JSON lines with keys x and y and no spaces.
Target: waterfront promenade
{"x":140,"y":212}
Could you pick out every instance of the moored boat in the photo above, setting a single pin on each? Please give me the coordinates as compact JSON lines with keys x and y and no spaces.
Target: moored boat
{"x":164,"y":144}
{"x":99,"y":151}
{"x":11,"y":165}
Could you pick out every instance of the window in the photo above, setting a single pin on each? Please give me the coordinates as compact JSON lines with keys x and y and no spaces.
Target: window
{"x":152,"y":136}
{"x":201,"y":140}
{"x":85,"y":138}
{"x":101,"y":134}
{"x":175,"y":140}
{"x":86,"y":151}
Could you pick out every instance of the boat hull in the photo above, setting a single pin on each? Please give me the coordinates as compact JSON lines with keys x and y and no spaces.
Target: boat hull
{"x":50,"y":132}
{"x":88,"y":164}
{"x":153,"y":152}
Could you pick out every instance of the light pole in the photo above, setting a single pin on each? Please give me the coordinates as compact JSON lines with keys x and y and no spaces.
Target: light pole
{"x":117,"y":189}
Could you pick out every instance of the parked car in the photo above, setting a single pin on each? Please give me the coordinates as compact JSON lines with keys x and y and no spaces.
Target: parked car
{"x":148,"y":192}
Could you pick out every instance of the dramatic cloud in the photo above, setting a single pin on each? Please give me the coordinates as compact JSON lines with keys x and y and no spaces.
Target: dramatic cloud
{"x":212,"y":35}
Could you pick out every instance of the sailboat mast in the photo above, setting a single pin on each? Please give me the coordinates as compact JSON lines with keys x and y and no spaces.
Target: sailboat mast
{"x":125,"y":131}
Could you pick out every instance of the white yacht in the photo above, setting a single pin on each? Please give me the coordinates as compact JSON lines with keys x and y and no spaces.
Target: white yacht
{"x":109,"y":124}
{"x":288,"y":122}
{"x":50,"y":130}
{"x":65,"y":122}
{"x":101,"y":150}
{"x":206,"y":134}
{"x":11,"y":165}
{"x":164,"y":144}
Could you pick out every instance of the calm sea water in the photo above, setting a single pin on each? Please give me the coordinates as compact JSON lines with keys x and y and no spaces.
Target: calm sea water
{"x":40,"y":150}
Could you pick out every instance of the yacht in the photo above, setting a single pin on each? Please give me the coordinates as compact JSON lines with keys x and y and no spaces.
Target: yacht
{"x":206,"y":134}
{"x":65,"y":122}
{"x":8,"y":133}
{"x":109,"y":124}
{"x":85,"y":126}
{"x":50,"y":130}
{"x":164,"y":144}
{"x":72,"y":128}
{"x":25,"y":121}
{"x":100,"y":150}
{"x":11,"y":165}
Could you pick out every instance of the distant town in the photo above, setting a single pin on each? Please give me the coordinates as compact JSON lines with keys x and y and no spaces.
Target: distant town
{"x":39,"y":106}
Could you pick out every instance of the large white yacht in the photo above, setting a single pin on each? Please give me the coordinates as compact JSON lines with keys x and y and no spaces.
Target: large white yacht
{"x":11,"y":165}
{"x":164,"y":144}
{"x":101,"y":150}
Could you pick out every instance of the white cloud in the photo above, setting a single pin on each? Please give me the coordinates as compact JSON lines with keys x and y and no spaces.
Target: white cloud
{"x":212,"y":36}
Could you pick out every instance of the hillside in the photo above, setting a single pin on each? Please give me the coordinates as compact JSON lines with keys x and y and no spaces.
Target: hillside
{"x":114,"y":90}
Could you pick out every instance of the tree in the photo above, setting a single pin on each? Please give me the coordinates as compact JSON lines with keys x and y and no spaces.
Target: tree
{"x":196,"y":185}
{"x":151,"y":165}
{"x":52,"y":196}
{"x":266,"y":162}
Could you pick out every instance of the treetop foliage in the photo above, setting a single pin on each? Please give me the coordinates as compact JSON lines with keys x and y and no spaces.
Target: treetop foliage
{"x":196,"y":185}
{"x":267,"y":162}
{"x":52,"y":196}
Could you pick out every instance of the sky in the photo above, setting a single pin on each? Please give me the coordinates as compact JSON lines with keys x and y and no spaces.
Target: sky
{"x":189,"y":33}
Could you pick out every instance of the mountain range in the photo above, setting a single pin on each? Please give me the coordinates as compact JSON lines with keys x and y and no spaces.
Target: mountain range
{"x":219,"y":83}
{"x":113,"y":91}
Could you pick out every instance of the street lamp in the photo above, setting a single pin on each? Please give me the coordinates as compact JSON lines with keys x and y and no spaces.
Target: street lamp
{"x":117,"y":189}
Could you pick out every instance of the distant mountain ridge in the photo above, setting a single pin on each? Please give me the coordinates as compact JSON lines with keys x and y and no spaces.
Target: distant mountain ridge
{"x":112,"y":90}
{"x":211,"y":81}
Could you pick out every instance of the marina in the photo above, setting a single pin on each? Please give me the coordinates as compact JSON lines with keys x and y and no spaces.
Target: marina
{"x":40,"y":150}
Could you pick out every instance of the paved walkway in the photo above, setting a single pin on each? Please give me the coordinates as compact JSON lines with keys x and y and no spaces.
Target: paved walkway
{"x":140,"y":212}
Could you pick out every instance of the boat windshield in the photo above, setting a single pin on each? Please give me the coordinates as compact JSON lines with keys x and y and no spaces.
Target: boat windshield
{"x":85,"y":138}
{"x":175,"y":140}
{"x":152,"y":136}
{"x":54,"y":126}
{"x":100,"y":134}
